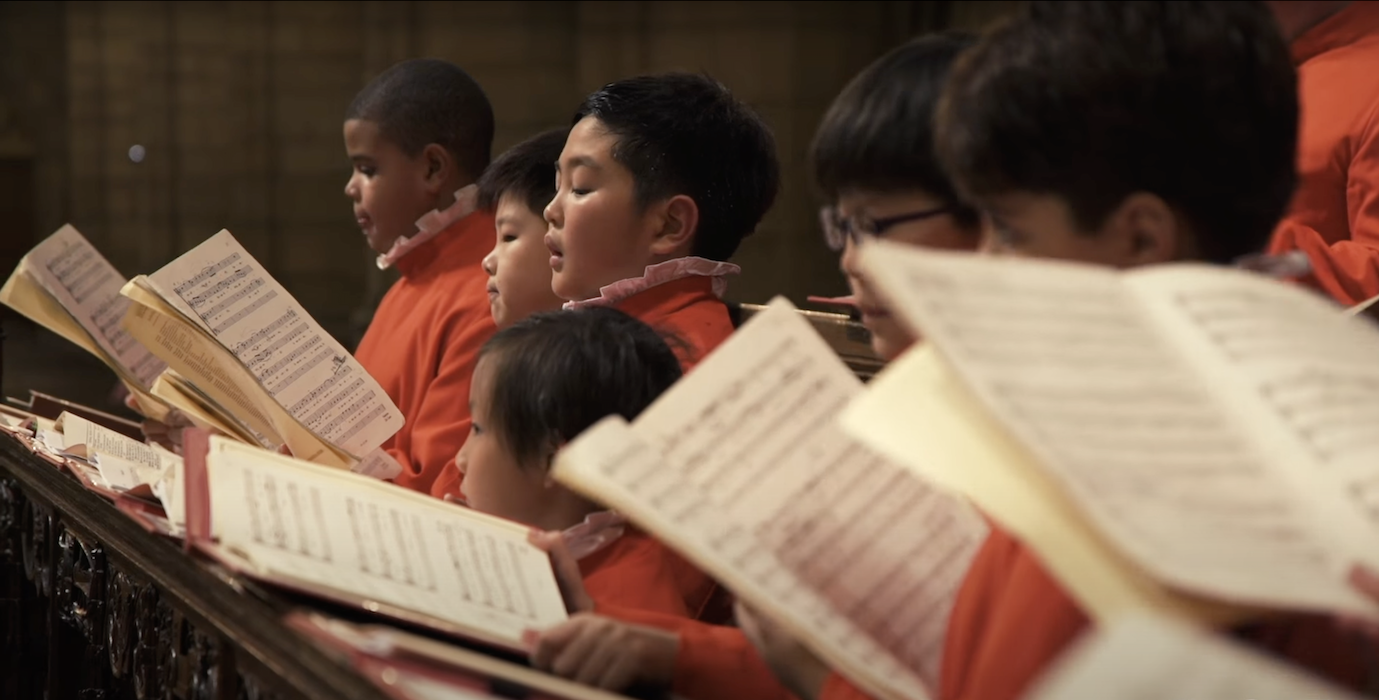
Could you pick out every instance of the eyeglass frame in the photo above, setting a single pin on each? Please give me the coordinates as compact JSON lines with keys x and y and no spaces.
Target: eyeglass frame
{"x":836,"y":236}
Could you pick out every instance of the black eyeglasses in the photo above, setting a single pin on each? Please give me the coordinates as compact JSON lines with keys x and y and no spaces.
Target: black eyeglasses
{"x":839,"y":229}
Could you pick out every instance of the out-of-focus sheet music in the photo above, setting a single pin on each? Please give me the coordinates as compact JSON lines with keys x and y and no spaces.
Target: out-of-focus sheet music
{"x":1146,"y":658}
{"x":1115,"y":406}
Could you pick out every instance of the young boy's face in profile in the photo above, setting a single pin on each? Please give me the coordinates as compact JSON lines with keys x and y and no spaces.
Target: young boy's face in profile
{"x":932,"y":226}
{"x":598,"y":234}
{"x":519,"y":266}
{"x":387,"y":186}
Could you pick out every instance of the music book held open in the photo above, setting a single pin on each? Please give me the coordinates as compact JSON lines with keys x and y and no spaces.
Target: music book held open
{"x":1152,"y":657}
{"x":247,"y":359}
{"x":1194,"y":440}
{"x":366,"y":543}
{"x":742,"y":467}
{"x":65,"y":285}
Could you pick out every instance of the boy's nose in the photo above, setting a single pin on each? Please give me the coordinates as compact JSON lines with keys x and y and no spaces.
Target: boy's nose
{"x":552,"y":213}
{"x":490,"y":263}
{"x":351,"y":189}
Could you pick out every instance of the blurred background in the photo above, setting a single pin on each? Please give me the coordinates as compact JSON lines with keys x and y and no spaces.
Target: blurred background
{"x":150,"y":126}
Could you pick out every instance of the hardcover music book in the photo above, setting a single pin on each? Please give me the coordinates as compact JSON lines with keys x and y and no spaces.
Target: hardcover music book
{"x":246,"y":358}
{"x":743,"y":468}
{"x":365,"y":543}
{"x":1191,"y":440}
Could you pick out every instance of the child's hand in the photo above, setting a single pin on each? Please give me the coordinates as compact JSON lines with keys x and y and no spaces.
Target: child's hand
{"x":797,"y":668}
{"x":567,"y":573}
{"x":605,"y":653}
{"x":1366,"y":581}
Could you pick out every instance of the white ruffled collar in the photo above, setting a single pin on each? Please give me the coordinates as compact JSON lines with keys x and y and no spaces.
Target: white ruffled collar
{"x":435,"y":221}
{"x":659,"y":274}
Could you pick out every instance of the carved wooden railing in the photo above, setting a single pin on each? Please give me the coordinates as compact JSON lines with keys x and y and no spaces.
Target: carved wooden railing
{"x":93,"y":607}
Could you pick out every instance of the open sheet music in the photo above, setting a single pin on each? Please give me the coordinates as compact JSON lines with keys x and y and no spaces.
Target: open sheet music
{"x":742,"y":467}
{"x":368,"y":543}
{"x":67,"y":286}
{"x":1147,"y":658}
{"x":231,"y":330}
{"x":1213,"y":426}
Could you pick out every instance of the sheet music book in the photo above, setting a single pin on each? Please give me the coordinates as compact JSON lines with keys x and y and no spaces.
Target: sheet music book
{"x":1191,"y":434}
{"x":65,"y":285}
{"x":366,"y":543}
{"x":228,"y":329}
{"x":1151,"y":658}
{"x":742,"y":467}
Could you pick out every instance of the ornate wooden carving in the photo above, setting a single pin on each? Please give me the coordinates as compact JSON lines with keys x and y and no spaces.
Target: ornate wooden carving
{"x":93,"y":607}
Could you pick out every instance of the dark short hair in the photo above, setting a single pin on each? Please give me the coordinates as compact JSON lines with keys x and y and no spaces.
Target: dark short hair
{"x":526,"y":170}
{"x":878,"y":134}
{"x":681,"y":133}
{"x":559,"y":372}
{"x":1195,"y":102}
{"x":425,"y":101}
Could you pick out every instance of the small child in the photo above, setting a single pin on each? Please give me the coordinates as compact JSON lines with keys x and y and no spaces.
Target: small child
{"x":537,"y":385}
{"x":873,"y":161}
{"x":418,"y":136}
{"x":517,"y":187}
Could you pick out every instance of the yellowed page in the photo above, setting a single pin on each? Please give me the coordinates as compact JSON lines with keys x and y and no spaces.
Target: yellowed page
{"x":220,"y":288}
{"x":219,"y":376}
{"x":916,"y":412}
{"x":372,"y":542}
{"x":742,"y":466}
{"x":1070,"y":360}
{"x":1147,"y":658}
{"x":87,"y":287}
{"x":201,"y":410}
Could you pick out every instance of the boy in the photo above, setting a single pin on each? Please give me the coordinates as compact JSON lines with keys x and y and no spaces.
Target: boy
{"x":660,"y":180}
{"x":1125,"y":134}
{"x":517,"y":187}
{"x":418,"y":136}
{"x":873,"y":162}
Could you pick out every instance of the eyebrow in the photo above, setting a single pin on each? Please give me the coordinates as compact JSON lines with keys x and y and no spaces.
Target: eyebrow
{"x":580,"y":161}
{"x":357,"y":158}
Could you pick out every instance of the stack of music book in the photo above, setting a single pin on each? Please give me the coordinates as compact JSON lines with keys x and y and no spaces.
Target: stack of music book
{"x":215,"y":337}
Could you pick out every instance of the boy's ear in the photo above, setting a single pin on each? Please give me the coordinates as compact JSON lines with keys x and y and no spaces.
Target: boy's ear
{"x":679,"y":222}
{"x":438,"y":166}
{"x":1146,"y":230}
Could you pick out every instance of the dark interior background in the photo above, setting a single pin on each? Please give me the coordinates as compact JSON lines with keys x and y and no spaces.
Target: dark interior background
{"x":238,"y":109}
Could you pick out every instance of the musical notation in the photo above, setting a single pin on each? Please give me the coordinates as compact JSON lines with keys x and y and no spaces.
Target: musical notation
{"x":88,"y":286}
{"x":229,"y":294}
{"x":327,"y":528}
